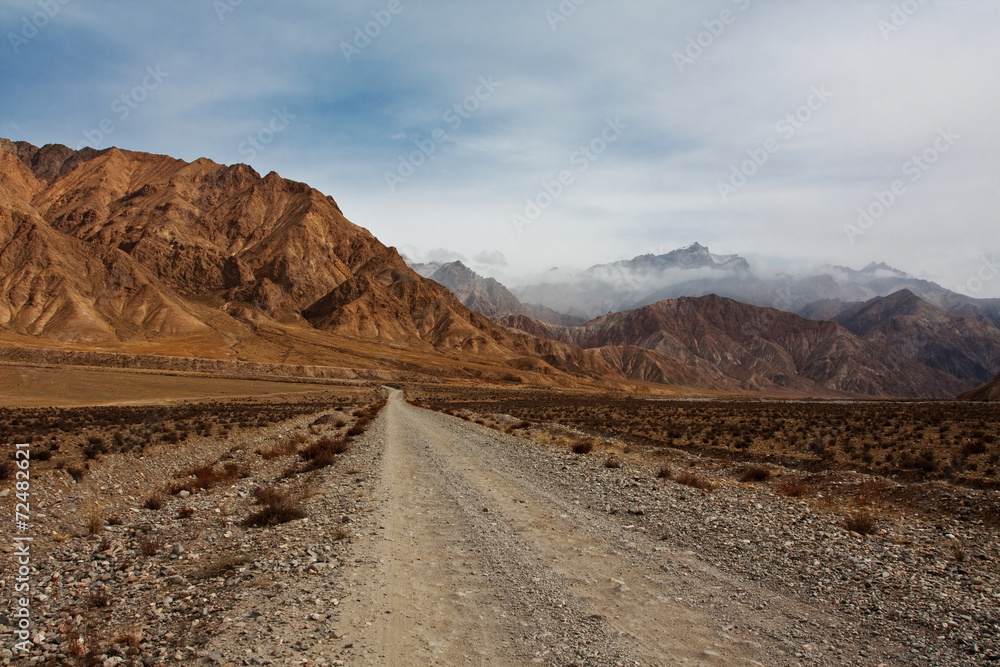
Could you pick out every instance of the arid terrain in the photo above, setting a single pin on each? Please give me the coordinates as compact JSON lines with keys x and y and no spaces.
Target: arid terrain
{"x":328,"y":527}
{"x":239,"y":430}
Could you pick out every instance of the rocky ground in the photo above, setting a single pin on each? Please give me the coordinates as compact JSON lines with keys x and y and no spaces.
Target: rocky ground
{"x":435,"y":540}
{"x":126,"y":572}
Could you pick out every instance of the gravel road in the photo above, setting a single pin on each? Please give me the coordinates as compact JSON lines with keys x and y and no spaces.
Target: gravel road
{"x":475,"y":554}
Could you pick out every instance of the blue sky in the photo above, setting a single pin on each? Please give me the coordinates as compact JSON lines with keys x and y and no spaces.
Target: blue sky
{"x":524,"y":134}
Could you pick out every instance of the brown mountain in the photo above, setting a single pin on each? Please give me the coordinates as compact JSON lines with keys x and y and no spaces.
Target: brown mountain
{"x":988,"y":392}
{"x":758,"y":348}
{"x":966,"y":348}
{"x":128,"y":250}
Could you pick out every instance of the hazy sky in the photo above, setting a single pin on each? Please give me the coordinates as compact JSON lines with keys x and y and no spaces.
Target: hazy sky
{"x":524,"y":134}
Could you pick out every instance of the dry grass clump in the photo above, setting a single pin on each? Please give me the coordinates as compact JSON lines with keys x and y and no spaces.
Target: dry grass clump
{"x":278,"y":506}
{"x":6,"y":468}
{"x":95,"y":520}
{"x":201,"y":478}
{"x":862,"y":522}
{"x":154,"y":501}
{"x":693,"y":480}
{"x":664,"y":472}
{"x":957,"y":552}
{"x":99,"y":598}
{"x":585,"y":447}
{"x":792,"y":488}
{"x":283,"y":448}
{"x":613,"y":463}
{"x":755,"y":474}
{"x":324,"y":452}
{"x":185,"y":512}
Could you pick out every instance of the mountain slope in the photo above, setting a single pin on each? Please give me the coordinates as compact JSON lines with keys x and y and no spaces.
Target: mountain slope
{"x":963,"y":347}
{"x":759,"y":348}
{"x":119,"y":248}
{"x":486,"y":295}
{"x":60,"y":288}
{"x":988,"y":392}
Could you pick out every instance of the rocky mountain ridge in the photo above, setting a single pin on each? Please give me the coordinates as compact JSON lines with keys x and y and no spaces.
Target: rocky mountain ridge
{"x":758,"y":348}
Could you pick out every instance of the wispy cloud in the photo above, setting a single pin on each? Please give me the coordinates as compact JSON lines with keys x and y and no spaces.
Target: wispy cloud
{"x":355,"y":116}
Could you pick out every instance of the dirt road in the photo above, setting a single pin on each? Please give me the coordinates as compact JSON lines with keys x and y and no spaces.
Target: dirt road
{"x":476,"y":557}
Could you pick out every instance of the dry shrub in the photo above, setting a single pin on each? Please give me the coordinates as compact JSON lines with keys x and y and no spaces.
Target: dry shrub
{"x":278,"y":506}
{"x":284,"y":448}
{"x":793,"y":488}
{"x":583,"y":447}
{"x":861,"y":522}
{"x":99,"y":598}
{"x":95,"y":520}
{"x":154,"y":501}
{"x":201,"y":478}
{"x":185,"y":512}
{"x":86,"y":643}
{"x":324,"y":451}
{"x":755,"y":474}
{"x":664,"y":472}
{"x":957,"y":551}
{"x":76,"y":472}
{"x":149,"y":546}
{"x":613,"y":462}
{"x":693,"y":480}
{"x":6,"y":468}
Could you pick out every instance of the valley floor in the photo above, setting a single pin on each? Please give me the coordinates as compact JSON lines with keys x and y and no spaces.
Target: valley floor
{"x":435,"y":540}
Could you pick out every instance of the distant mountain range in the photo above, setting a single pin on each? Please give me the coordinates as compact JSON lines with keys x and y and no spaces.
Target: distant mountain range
{"x":899,"y":344}
{"x":695,"y":271}
{"x":486,"y":295}
{"x":117,"y":251}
